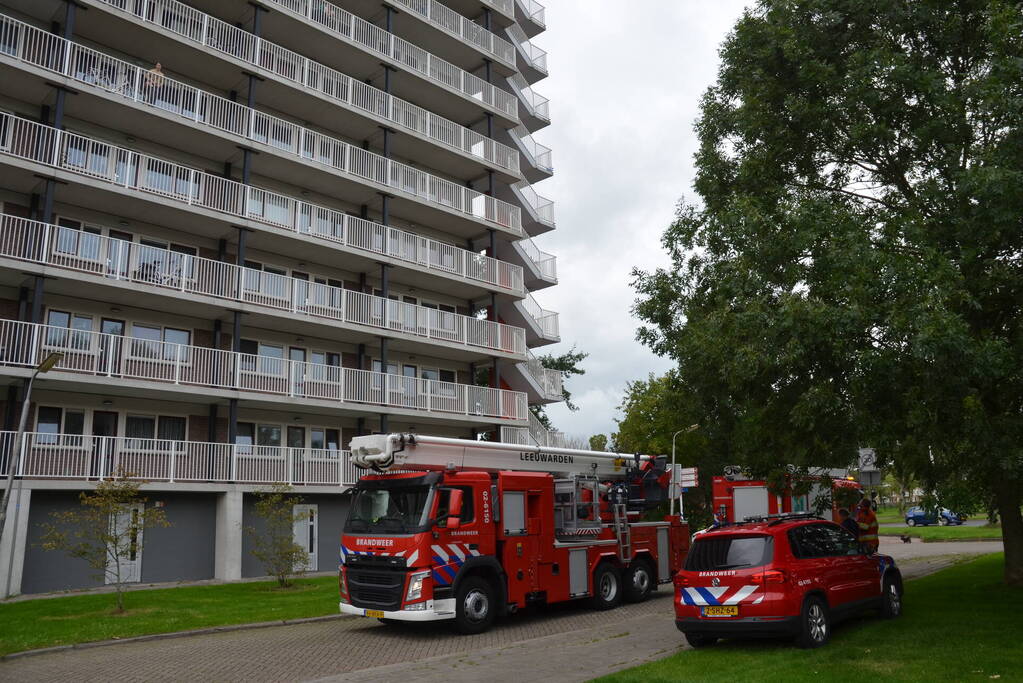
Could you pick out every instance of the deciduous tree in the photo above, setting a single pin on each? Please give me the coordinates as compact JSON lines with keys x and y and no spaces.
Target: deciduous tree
{"x":852,"y":274}
{"x":106,"y":530}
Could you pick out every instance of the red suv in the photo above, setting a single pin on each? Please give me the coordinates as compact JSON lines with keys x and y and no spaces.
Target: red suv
{"x":784,"y":576}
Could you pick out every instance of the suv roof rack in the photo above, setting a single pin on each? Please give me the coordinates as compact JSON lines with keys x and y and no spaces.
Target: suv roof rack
{"x":789,"y":516}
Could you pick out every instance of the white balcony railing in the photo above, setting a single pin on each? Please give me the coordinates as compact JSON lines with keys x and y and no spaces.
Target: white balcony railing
{"x":76,"y":456}
{"x":546,"y":321}
{"x":289,"y":66}
{"x":359,"y":32}
{"x":539,"y":155}
{"x":533,"y":435}
{"x":112,"y":356}
{"x":124,"y":168}
{"x":546,"y":264}
{"x":115,"y":259}
{"x":541,"y":207}
{"x":538,"y":105}
{"x":506,"y":7}
{"x":536,"y":12}
{"x":533,"y":55}
{"x":95,"y":68}
{"x":461,"y":27}
{"x":550,"y":381}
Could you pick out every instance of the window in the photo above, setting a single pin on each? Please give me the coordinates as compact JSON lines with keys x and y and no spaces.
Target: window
{"x":444,"y":498}
{"x":268,"y":435}
{"x":321,"y":439}
{"x":842,"y":541}
{"x":80,"y":326}
{"x":52,"y":422}
{"x":813,"y":540}
{"x":151,"y":341}
{"x":799,"y":503}
{"x":709,"y":553}
{"x":74,"y":239}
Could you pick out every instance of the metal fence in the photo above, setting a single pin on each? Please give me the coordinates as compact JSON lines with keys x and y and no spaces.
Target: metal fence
{"x":118,"y":357}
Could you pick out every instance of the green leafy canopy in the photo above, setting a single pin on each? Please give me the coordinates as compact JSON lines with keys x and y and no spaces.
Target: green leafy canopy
{"x":852,"y":274}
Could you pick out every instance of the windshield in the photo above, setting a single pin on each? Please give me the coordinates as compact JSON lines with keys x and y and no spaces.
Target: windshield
{"x":390,"y":507}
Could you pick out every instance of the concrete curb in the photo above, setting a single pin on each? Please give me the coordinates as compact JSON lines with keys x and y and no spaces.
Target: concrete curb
{"x":173,"y":634}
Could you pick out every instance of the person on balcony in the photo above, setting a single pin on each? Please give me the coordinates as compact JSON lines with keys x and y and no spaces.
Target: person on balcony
{"x":155,"y":77}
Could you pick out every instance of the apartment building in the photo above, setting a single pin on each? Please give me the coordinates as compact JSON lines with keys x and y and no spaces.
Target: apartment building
{"x":255,"y":229}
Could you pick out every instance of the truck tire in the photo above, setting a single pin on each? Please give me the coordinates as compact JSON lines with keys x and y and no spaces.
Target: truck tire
{"x":474,"y":606}
{"x":607,"y":587}
{"x":814,"y":623}
{"x":638,"y":581}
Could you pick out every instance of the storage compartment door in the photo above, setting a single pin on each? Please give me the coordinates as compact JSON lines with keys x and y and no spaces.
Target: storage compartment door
{"x":663,"y":556}
{"x":578,"y":572}
{"x":750,"y":501}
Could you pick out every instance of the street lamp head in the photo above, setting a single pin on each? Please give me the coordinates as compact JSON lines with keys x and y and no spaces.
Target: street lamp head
{"x":692,"y":428}
{"x":47,"y":364}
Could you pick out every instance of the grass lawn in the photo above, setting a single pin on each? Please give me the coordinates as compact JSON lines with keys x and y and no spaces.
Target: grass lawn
{"x":961,"y":624}
{"x":946,"y":533}
{"x":31,"y":624}
{"x":890,"y":516}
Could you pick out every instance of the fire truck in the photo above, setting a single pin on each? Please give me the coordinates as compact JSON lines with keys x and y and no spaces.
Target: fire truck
{"x":736,"y":497}
{"x":460,"y":530}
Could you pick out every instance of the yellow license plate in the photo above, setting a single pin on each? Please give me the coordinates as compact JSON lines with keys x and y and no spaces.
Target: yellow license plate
{"x":374,"y":613}
{"x":721,"y":611}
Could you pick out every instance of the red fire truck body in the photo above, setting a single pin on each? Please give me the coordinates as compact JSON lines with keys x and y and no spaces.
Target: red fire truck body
{"x":737,"y":498}
{"x":469,"y":530}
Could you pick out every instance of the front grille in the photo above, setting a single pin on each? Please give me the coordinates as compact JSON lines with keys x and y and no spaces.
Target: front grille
{"x":375,"y":589}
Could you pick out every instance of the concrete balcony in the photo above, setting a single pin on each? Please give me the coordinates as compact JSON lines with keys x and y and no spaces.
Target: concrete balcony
{"x":541,"y":267}
{"x":467,"y":32}
{"x":538,"y":216}
{"x":532,"y":16}
{"x":150,"y":178}
{"x":94,"y":458}
{"x":533,"y":435}
{"x":402,"y":54}
{"x":169,"y":273}
{"x":531,"y":60}
{"x":541,"y":385}
{"x":288,"y":71}
{"x":220,"y":115}
{"x":541,"y":325}
{"x":539,"y":164}
{"x":536,"y":110}
{"x":133,"y":364}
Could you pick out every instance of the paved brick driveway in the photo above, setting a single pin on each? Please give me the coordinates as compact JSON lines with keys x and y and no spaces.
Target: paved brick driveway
{"x":563,"y":643}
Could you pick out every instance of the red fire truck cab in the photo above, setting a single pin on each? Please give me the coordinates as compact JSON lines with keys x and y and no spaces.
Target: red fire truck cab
{"x":448,"y":529}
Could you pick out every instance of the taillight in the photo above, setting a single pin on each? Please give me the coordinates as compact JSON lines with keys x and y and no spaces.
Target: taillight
{"x":770,"y":576}
{"x":683,"y":580}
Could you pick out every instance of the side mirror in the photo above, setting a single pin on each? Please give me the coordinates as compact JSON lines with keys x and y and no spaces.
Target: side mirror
{"x":454,"y":509}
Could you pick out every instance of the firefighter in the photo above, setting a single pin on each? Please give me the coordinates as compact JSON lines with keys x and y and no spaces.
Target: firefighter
{"x":867,"y":522}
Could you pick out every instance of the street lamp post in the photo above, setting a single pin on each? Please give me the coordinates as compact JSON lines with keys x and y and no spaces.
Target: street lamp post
{"x":688,"y":429}
{"x":45,"y":366}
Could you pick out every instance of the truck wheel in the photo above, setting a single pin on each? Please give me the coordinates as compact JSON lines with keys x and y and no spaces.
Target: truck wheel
{"x":474,"y":606}
{"x":814,"y":623}
{"x":607,"y":587}
{"x":638,"y":580}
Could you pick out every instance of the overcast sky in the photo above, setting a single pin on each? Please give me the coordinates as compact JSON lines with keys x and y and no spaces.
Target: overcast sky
{"x":625,"y":84}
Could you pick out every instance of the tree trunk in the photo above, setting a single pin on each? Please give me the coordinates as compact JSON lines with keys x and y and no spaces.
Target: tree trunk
{"x":1008,"y":495}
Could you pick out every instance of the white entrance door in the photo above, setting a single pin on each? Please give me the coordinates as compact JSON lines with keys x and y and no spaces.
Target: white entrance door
{"x":126,"y":525}
{"x":306,"y":519}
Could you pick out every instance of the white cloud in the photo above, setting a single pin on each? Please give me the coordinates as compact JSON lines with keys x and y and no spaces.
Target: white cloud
{"x":625,"y":85}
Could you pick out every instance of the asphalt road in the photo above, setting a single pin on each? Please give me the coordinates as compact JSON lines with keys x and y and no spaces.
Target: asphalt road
{"x":562,"y":643}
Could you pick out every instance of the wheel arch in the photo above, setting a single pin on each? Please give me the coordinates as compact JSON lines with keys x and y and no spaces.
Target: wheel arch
{"x":490,"y":570}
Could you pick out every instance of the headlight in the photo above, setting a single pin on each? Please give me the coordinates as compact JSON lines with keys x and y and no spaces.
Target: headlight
{"x":415,"y":586}
{"x":342,"y":583}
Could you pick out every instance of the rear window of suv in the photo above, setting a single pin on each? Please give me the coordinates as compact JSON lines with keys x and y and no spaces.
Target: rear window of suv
{"x":729,"y":552}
